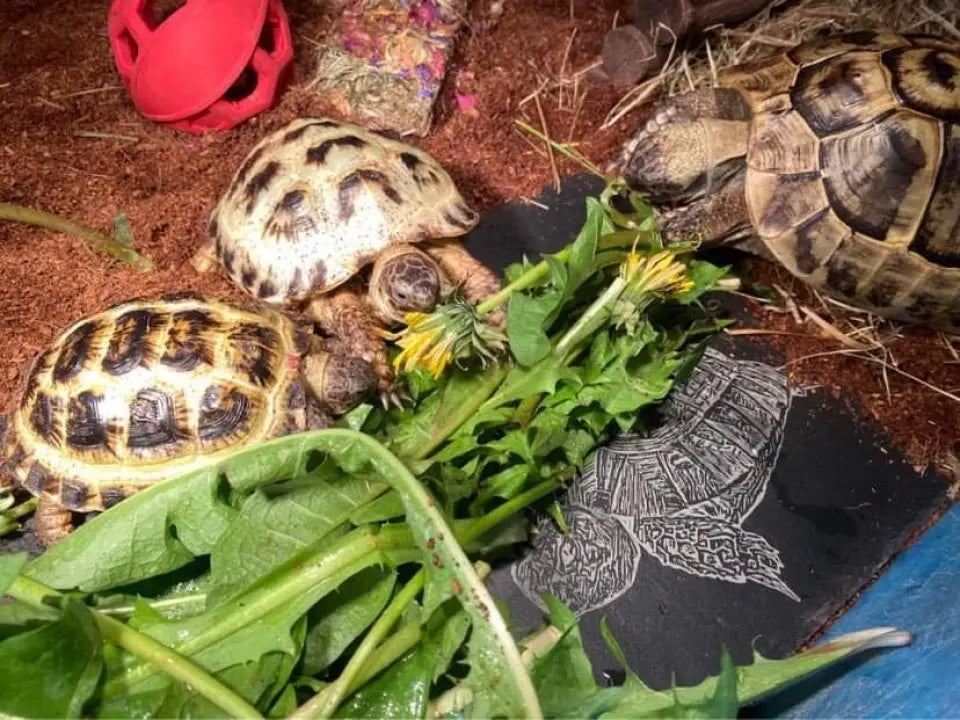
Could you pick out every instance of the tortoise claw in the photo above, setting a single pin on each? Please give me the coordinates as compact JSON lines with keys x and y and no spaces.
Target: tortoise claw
{"x":391,"y":399}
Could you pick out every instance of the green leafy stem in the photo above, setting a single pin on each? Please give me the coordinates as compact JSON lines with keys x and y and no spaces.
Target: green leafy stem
{"x":97,"y":241}
{"x":156,"y":654}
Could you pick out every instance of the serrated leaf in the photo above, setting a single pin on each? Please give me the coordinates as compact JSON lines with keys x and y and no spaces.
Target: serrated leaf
{"x":385,"y":507}
{"x":155,"y":531}
{"x":51,"y":671}
{"x":267,"y":531}
{"x":526,"y":317}
{"x":563,"y":674}
{"x":403,"y":690}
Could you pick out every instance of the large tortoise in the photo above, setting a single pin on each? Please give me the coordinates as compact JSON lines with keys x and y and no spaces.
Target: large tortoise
{"x":316,"y":202}
{"x":839,"y":159}
{"x":152,"y":388}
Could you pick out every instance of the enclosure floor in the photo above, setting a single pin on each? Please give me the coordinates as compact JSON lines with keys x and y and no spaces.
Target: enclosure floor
{"x":57,"y":78}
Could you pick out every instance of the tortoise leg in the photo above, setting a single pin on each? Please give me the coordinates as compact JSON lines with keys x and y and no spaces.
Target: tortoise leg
{"x":720,"y":217}
{"x":205,"y":259}
{"x":345,"y":314}
{"x":690,"y":144}
{"x":52,"y":521}
{"x":478,"y":281}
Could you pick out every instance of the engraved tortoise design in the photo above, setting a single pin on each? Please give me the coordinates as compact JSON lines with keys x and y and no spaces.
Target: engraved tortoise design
{"x":680,"y":495}
{"x":152,"y":388}
{"x":838,"y":159}
{"x":319,"y":201}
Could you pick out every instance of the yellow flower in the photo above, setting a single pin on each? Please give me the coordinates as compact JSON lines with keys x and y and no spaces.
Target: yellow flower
{"x":452,"y":332}
{"x":659,"y":273}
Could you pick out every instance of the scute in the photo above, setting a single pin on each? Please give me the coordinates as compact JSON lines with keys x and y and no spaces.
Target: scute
{"x":843,"y":92}
{"x":927,"y":79}
{"x":938,"y":237}
{"x":879,"y":177}
{"x":339,"y":194}
{"x":782,"y":142}
{"x":155,"y":388}
{"x":779,"y":202}
{"x":761,"y":80}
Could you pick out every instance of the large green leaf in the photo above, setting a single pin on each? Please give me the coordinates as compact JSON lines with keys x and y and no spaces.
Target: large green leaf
{"x":270,"y":529}
{"x":153,"y":532}
{"x":51,"y":671}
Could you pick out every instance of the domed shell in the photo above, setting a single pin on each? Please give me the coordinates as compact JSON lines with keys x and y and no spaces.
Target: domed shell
{"x":147,"y":389}
{"x":317,"y":200}
{"x":853,"y":168}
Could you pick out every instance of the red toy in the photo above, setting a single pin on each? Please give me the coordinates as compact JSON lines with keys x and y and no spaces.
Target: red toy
{"x":210,"y":65}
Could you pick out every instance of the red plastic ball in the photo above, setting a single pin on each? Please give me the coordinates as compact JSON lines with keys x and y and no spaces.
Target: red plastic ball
{"x":209,"y":66}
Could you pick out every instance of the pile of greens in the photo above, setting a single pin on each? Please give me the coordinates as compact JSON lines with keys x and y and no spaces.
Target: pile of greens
{"x":340,"y":572}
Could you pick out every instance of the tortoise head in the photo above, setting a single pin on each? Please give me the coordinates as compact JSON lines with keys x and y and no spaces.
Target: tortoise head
{"x":677,"y":156}
{"x":339,"y":382}
{"x":404,"y":279}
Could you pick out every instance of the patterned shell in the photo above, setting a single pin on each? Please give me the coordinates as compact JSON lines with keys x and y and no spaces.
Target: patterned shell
{"x":317,"y":200}
{"x":127,"y":397}
{"x":854,"y":168}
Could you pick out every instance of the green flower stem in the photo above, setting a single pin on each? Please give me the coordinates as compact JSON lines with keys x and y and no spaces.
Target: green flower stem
{"x":9,"y":517}
{"x":473,"y":529}
{"x":322,"y":572}
{"x":541,"y":271}
{"x":392,"y":649}
{"x":96,"y":240}
{"x":143,"y":646}
{"x":592,"y":318}
{"x":325,"y":703}
{"x":193,"y":600}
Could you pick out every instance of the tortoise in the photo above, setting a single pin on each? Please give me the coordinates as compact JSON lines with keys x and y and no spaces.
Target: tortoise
{"x":839,"y":159}
{"x":680,"y":494}
{"x":154,"y":387}
{"x":316,"y":202}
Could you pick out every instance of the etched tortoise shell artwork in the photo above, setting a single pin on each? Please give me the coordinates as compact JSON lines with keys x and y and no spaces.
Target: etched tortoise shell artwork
{"x":680,"y":494}
{"x":317,"y":202}
{"x":152,"y":388}
{"x":838,"y":159}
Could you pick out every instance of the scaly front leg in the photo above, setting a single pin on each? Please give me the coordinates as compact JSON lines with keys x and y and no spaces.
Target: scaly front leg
{"x":345,"y":315}
{"x":51,"y":521}
{"x":478,"y":281}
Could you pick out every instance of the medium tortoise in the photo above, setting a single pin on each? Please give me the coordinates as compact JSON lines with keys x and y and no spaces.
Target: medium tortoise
{"x":152,"y":388}
{"x":316,"y":202}
{"x":839,"y":159}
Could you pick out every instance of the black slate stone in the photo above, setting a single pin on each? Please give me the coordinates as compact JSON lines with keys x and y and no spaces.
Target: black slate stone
{"x":841,"y":501}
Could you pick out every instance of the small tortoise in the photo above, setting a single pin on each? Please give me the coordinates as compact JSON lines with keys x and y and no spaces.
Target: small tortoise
{"x":152,"y":388}
{"x":839,"y":159}
{"x":316,"y":202}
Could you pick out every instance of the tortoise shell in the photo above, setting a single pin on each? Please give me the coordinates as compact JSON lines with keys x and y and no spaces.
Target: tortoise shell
{"x":317,"y":200}
{"x":148,"y":389}
{"x":853,"y":169}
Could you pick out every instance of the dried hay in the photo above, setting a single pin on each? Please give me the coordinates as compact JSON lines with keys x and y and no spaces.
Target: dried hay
{"x":783,"y":24}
